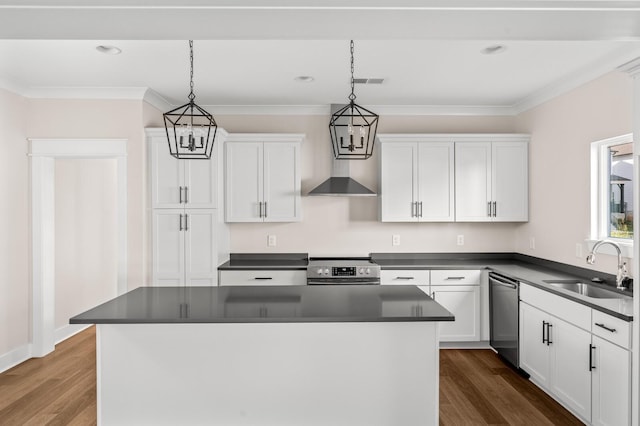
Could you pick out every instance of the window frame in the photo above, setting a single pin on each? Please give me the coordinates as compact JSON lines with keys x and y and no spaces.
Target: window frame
{"x":600,"y":195}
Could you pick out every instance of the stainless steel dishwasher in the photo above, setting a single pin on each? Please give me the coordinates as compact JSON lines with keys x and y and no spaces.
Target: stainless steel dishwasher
{"x":503,"y":317}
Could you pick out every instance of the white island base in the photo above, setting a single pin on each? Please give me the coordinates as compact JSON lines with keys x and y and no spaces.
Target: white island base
{"x":324,"y":373}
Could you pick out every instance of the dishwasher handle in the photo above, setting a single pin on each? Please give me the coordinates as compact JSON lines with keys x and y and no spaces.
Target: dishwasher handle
{"x":496,"y":280}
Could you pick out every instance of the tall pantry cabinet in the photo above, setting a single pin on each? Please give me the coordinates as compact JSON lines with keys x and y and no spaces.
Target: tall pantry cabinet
{"x":189,"y":238}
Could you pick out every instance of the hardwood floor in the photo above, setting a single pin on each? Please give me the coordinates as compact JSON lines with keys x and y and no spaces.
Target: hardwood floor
{"x":476,"y":388}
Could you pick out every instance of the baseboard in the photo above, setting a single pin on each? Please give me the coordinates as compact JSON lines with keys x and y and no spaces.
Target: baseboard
{"x":63,"y":333}
{"x":15,"y":357}
{"x":465,"y":345}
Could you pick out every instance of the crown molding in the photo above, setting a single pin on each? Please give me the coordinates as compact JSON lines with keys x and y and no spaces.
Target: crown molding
{"x":574,"y":80}
{"x":134,"y":93}
{"x":632,"y":67}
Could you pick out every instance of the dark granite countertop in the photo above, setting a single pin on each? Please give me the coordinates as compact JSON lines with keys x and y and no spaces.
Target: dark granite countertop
{"x":527,"y":269}
{"x":273,"y":261}
{"x":255,"y":304}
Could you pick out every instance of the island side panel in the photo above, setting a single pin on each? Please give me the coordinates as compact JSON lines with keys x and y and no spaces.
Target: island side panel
{"x":371,"y":373}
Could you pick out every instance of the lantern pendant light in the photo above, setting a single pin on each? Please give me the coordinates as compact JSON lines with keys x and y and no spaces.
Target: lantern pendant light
{"x":353,"y":128}
{"x":191,"y":130}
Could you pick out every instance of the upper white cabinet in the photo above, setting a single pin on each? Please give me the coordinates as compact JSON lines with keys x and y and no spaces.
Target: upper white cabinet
{"x":491,"y":179}
{"x":416,"y":179}
{"x":262,"y":178}
{"x":447,"y":177}
{"x":180,"y":183}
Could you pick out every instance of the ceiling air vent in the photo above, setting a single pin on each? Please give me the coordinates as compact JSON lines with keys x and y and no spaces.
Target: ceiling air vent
{"x":368,"y":80}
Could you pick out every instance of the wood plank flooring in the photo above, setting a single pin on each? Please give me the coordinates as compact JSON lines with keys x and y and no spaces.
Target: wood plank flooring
{"x":476,"y":388}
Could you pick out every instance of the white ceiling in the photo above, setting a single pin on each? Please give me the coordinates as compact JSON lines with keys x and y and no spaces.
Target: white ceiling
{"x":248,"y":52}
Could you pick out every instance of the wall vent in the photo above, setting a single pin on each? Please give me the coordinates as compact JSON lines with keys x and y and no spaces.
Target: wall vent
{"x":368,"y":80}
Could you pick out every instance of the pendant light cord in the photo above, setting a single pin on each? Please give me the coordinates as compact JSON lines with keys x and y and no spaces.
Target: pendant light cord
{"x":192,"y":96}
{"x":352,"y":96}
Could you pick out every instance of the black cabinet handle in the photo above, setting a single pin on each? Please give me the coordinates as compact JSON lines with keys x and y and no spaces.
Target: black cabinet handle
{"x":263,"y":278}
{"x":180,"y":196}
{"x":591,"y":366}
{"x":544,"y":326}
{"x":612,"y":330}
{"x":405,"y":278}
{"x":549,"y":325}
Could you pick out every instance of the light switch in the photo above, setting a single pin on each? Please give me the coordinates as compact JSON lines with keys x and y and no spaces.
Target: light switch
{"x":460,"y":240}
{"x":395,"y":240}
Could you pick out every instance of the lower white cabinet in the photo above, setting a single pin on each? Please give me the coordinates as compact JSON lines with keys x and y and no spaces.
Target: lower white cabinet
{"x":463,"y":301}
{"x":184,"y":247}
{"x":263,"y":277}
{"x":577,"y":363}
{"x":611,"y":387}
{"x":456,"y":290}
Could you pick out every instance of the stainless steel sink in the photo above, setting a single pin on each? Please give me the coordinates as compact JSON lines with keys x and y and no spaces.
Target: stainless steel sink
{"x":585,"y":289}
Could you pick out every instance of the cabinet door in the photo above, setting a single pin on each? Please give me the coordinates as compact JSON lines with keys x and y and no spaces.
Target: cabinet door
{"x":570,"y":375}
{"x":201,"y":257}
{"x":167,"y":175}
{"x":611,"y":394}
{"x":243,"y":189}
{"x":200,"y":183}
{"x":398,"y":182}
{"x":473,"y":181}
{"x":464,"y":303}
{"x":510,"y":181}
{"x":168,"y":247}
{"x":435,"y":182}
{"x":534,"y":353}
{"x":281,"y":182}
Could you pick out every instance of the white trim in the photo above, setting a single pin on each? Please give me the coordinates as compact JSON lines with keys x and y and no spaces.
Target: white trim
{"x":265,"y":137}
{"x":15,"y":357}
{"x":599,"y":183}
{"x":97,"y":93}
{"x":453,"y":137}
{"x":43,"y":153}
{"x":63,"y":333}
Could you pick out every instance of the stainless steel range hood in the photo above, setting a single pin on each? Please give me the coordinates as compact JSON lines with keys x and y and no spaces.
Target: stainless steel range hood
{"x":340,"y":184}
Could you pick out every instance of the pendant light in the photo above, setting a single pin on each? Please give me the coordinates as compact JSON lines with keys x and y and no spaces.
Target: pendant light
{"x":353,"y":128}
{"x":191,"y":130}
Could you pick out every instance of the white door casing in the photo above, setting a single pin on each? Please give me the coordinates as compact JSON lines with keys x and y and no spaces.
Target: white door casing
{"x":43,"y":153}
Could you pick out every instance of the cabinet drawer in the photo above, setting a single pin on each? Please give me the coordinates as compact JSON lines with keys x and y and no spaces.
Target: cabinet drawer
{"x":455,"y":277}
{"x":558,"y":306}
{"x":264,"y":277}
{"x":612,"y":329}
{"x":405,"y":277}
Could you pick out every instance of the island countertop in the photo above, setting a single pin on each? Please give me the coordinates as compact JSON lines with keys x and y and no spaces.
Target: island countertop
{"x":275,"y":304}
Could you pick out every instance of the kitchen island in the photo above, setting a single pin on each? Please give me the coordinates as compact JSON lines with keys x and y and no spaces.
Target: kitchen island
{"x":301,"y":355}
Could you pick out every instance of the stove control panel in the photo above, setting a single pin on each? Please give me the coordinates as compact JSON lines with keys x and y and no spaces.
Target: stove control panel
{"x":332,"y":271}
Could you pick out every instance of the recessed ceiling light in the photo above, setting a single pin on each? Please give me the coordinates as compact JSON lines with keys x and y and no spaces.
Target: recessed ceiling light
{"x":304,"y":78}
{"x":109,"y":50}
{"x":494,"y":49}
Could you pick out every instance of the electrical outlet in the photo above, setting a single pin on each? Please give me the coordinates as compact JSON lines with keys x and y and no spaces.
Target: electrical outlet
{"x":395,"y":240}
{"x":579,"y":250}
{"x":532,"y":243}
{"x":271,"y":240}
{"x":460,"y":240}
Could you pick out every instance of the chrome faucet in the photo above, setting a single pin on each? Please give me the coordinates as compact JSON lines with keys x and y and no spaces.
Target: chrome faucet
{"x":622,"y":266}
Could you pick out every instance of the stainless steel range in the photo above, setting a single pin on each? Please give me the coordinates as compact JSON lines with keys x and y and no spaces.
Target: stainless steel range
{"x":342,"y":270}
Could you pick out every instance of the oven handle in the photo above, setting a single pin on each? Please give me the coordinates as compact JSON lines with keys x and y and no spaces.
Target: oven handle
{"x":315,"y":282}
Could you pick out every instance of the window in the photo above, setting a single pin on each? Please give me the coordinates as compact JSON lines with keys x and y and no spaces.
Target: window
{"x":612,"y":189}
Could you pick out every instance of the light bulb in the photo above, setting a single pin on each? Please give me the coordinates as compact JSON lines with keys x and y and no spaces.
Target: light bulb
{"x":350,"y":129}
{"x":363,"y":131}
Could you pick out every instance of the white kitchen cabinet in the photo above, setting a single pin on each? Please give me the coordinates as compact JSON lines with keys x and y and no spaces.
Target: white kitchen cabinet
{"x":491,"y":179}
{"x":263,"y":277}
{"x":416,"y":179}
{"x":262,"y":178}
{"x":463,"y":301}
{"x":611,"y":387}
{"x":180,"y":183}
{"x":184,"y":247}
{"x":556,"y":355}
{"x":456,"y":290}
{"x":188,"y":237}
{"x":579,"y":355}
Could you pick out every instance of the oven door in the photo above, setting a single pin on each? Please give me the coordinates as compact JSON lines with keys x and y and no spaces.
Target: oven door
{"x":343,"y":281}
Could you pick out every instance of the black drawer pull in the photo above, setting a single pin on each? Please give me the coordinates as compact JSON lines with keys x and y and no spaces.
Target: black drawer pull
{"x":612,"y":330}
{"x":263,"y":278}
{"x":405,"y":278}
{"x":455,"y":278}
